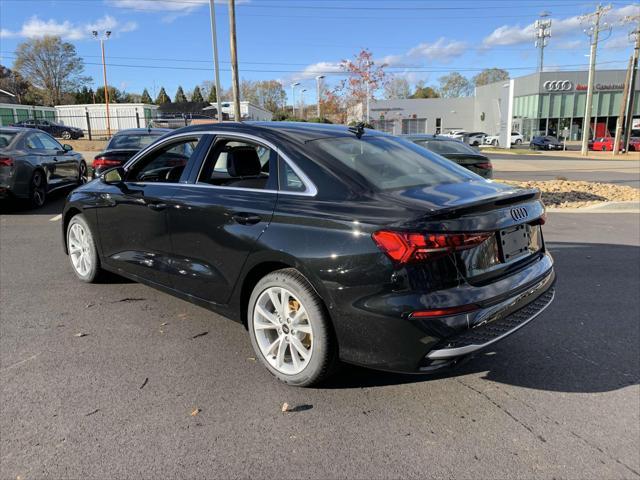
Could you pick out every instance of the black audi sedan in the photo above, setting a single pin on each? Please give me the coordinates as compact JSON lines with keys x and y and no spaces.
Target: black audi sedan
{"x":33,"y":164}
{"x":546,"y":142}
{"x":328,"y":243}
{"x":124,"y":145}
{"x":456,"y":151}
{"x":52,"y":128}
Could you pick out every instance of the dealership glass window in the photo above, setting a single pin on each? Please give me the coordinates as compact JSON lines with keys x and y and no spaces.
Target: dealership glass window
{"x":579,"y":104}
{"x":555,"y":104}
{"x":544,"y":106}
{"x":383,"y":125}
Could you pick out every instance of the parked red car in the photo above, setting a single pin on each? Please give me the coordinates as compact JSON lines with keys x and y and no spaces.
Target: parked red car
{"x":606,"y":144}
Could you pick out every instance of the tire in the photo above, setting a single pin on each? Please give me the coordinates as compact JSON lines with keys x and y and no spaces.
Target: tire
{"x":495,"y":143}
{"x":604,"y":148}
{"x":83,"y":255}
{"x":37,"y":189}
{"x":518,"y":141}
{"x":66,"y":135}
{"x":82,"y":174}
{"x":274,"y":335}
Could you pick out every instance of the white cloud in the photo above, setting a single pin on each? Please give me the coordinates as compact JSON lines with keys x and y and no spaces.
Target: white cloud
{"x":442,"y":50}
{"x":621,"y":42}
{"x":516,"y":34}
{"x":36,"y":27}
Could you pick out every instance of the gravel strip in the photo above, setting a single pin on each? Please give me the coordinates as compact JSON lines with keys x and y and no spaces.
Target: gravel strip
{"x":572,"y":194}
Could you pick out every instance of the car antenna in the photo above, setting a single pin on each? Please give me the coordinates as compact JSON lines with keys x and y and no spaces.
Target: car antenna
{"x":357,"y":129}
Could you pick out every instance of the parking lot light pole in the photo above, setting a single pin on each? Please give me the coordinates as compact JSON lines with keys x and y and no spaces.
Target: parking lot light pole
{"x":106,"y":36}
{"x":318,"y":81}
{"x":302,"y":114}
{"x":214,"y":41}
{"x":235,"y":79}
{"x":293,"y":98}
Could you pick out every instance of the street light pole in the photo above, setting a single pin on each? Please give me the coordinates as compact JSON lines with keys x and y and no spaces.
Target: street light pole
{"x":106,"y":36}
{"x":318,"y":80}
{"x":234,"y":61}
{"x":593,"y":31}
{"x":214,"y":41}
{"x":632,"y":82}
{"x":293,"y":98}
{"x":302,"y":114}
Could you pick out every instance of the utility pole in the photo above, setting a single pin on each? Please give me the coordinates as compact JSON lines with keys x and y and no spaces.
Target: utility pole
{"x":234,"y":61}
{"x":318,"y":80}
{"x":543,"y":32}
{"x":593,"y":30}
{"x":632,"y":83}
{"x":106,"y":36}
{"x":302,"y":112}
{"x":293,"y":98}
{"x":620,"y":122}
{"x":214,"y":41}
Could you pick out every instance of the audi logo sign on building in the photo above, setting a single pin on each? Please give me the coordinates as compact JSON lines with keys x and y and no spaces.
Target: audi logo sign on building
{"x":558,"y":85}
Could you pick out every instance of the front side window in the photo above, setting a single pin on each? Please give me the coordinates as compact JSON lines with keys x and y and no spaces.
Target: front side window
{"x":390,"y":163}
{"x":239,"y":164}
{"x":48,"y":143}
{"x":165,"y":164}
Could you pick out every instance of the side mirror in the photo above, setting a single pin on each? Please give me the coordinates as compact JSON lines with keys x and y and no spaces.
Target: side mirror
{"x":113,"y":176}
{"x":66,"y":147}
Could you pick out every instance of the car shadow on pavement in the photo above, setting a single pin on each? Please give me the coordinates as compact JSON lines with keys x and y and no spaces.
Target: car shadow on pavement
{"x":53,"y":206}
{"x":587,"y":341}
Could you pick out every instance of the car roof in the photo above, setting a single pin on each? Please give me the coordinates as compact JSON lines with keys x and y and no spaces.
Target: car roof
{"x":425,"y":136}
{"x":296,"y":131}
{"x":16,"y":129}
{"x":143,"y":131}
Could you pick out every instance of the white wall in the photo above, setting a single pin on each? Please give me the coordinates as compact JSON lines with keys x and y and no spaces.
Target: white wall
{"x":121,"y":116}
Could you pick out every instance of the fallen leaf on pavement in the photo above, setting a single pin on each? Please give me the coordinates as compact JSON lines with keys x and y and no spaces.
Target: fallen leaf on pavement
{"x":200,"y":334}
{"x":195,"y":412}
{"x":285,"y":407}
{"x":80,"y":334}
{"x":146,"y":380}
{"x":163,"y":324}
{"x":252,"y":359}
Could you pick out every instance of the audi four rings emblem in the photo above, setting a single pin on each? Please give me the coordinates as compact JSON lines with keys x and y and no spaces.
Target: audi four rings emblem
{"x":558,"y":85}
{"x":519,"y":213}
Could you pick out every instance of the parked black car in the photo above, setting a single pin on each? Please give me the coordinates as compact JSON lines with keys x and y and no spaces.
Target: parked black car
{"x":123,"y":145}
{"x":457,"y":151}
{"x":33,"y":163}
{"x":327,"y":242}
{"x":52,"y":128}
{"x":546,"y":142}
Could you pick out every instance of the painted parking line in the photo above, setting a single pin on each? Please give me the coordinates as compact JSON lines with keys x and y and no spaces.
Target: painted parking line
{"x":56,"y":218}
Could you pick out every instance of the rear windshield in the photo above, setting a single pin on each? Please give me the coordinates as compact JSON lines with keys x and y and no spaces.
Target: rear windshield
{"x":390,"y":163}
{"x":446,"y":146}
{"x":133,"y":141}
{"x":6,"y":138}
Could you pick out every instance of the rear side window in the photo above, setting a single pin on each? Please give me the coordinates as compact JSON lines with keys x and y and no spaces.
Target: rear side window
{"x":289,"y":180}
{"x":6,"y":138}
{"x":48,"y":142}
{"x":446,"y":146}
{"x":390,"y":163}
{"x":240,"y":164}
{"x":131,"y":141}
{"x":165,"y":164}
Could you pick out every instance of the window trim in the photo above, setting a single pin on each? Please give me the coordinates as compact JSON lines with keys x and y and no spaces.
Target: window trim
{"x":310,"y":189}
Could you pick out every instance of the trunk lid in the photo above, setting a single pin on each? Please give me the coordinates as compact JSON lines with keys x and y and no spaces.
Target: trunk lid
{"x":511,"y":215}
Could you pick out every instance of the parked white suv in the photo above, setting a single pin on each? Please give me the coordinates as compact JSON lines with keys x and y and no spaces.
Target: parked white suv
{"x":516,"y":139}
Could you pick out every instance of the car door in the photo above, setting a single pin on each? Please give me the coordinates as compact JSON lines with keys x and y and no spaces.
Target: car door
{"x":42,"y":157}
{"x":132,"y":214}
{"x":220,"y":215}
{"x":66,"y":165}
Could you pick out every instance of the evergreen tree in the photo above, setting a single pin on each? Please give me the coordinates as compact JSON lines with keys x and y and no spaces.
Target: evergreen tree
{"x":213,"y":96}
{"x":196,"y":96}
{"x":162,"y":97}
{"x":146,"y":98}
{"x":180,"y":96}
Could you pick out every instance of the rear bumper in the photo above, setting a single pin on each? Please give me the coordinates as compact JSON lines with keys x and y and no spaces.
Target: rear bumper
{"x":501,"y":326}
{"x":379,"y":332}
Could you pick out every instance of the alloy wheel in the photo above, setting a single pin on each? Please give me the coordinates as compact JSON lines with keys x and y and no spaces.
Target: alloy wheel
{"x":66,"y":135}
{"x":82,"y":174}
{"x":38,"y":191}
{"x":283,"y":330}
{"x":79,"y":249}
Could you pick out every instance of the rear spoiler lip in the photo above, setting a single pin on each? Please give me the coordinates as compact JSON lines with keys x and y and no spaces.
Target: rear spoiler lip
{"x":482,"y":204}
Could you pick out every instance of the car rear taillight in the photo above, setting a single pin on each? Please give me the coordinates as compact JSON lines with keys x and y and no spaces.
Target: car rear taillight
{"x":407,"y":247}
{"x":6,"y":162}
{"x":485,"y":165}
{"x":106,"y":162}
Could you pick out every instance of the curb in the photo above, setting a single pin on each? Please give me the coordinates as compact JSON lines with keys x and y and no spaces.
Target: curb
{"x":605,"y":207}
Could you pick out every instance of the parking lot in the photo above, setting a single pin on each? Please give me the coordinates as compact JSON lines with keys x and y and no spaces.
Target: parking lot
{"x":158,"y":388}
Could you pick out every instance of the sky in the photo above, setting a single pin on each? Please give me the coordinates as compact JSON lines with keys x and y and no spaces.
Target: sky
{"x":168,"y":43}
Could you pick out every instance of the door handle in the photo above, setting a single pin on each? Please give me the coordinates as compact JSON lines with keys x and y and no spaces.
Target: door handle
{"x":246,"y":218}
{"x":157,"y":206}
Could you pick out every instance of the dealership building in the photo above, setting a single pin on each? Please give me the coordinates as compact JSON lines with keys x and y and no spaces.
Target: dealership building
{"x":544,"y":103}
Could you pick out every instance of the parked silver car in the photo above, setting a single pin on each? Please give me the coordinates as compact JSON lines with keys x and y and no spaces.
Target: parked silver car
{"x":33,"y":163}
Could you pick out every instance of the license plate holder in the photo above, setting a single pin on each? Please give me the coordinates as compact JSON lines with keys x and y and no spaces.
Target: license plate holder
{"x":514,"y":242}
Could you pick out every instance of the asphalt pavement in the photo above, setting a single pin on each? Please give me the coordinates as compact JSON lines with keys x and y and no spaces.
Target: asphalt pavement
{"x":158,"y":388}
